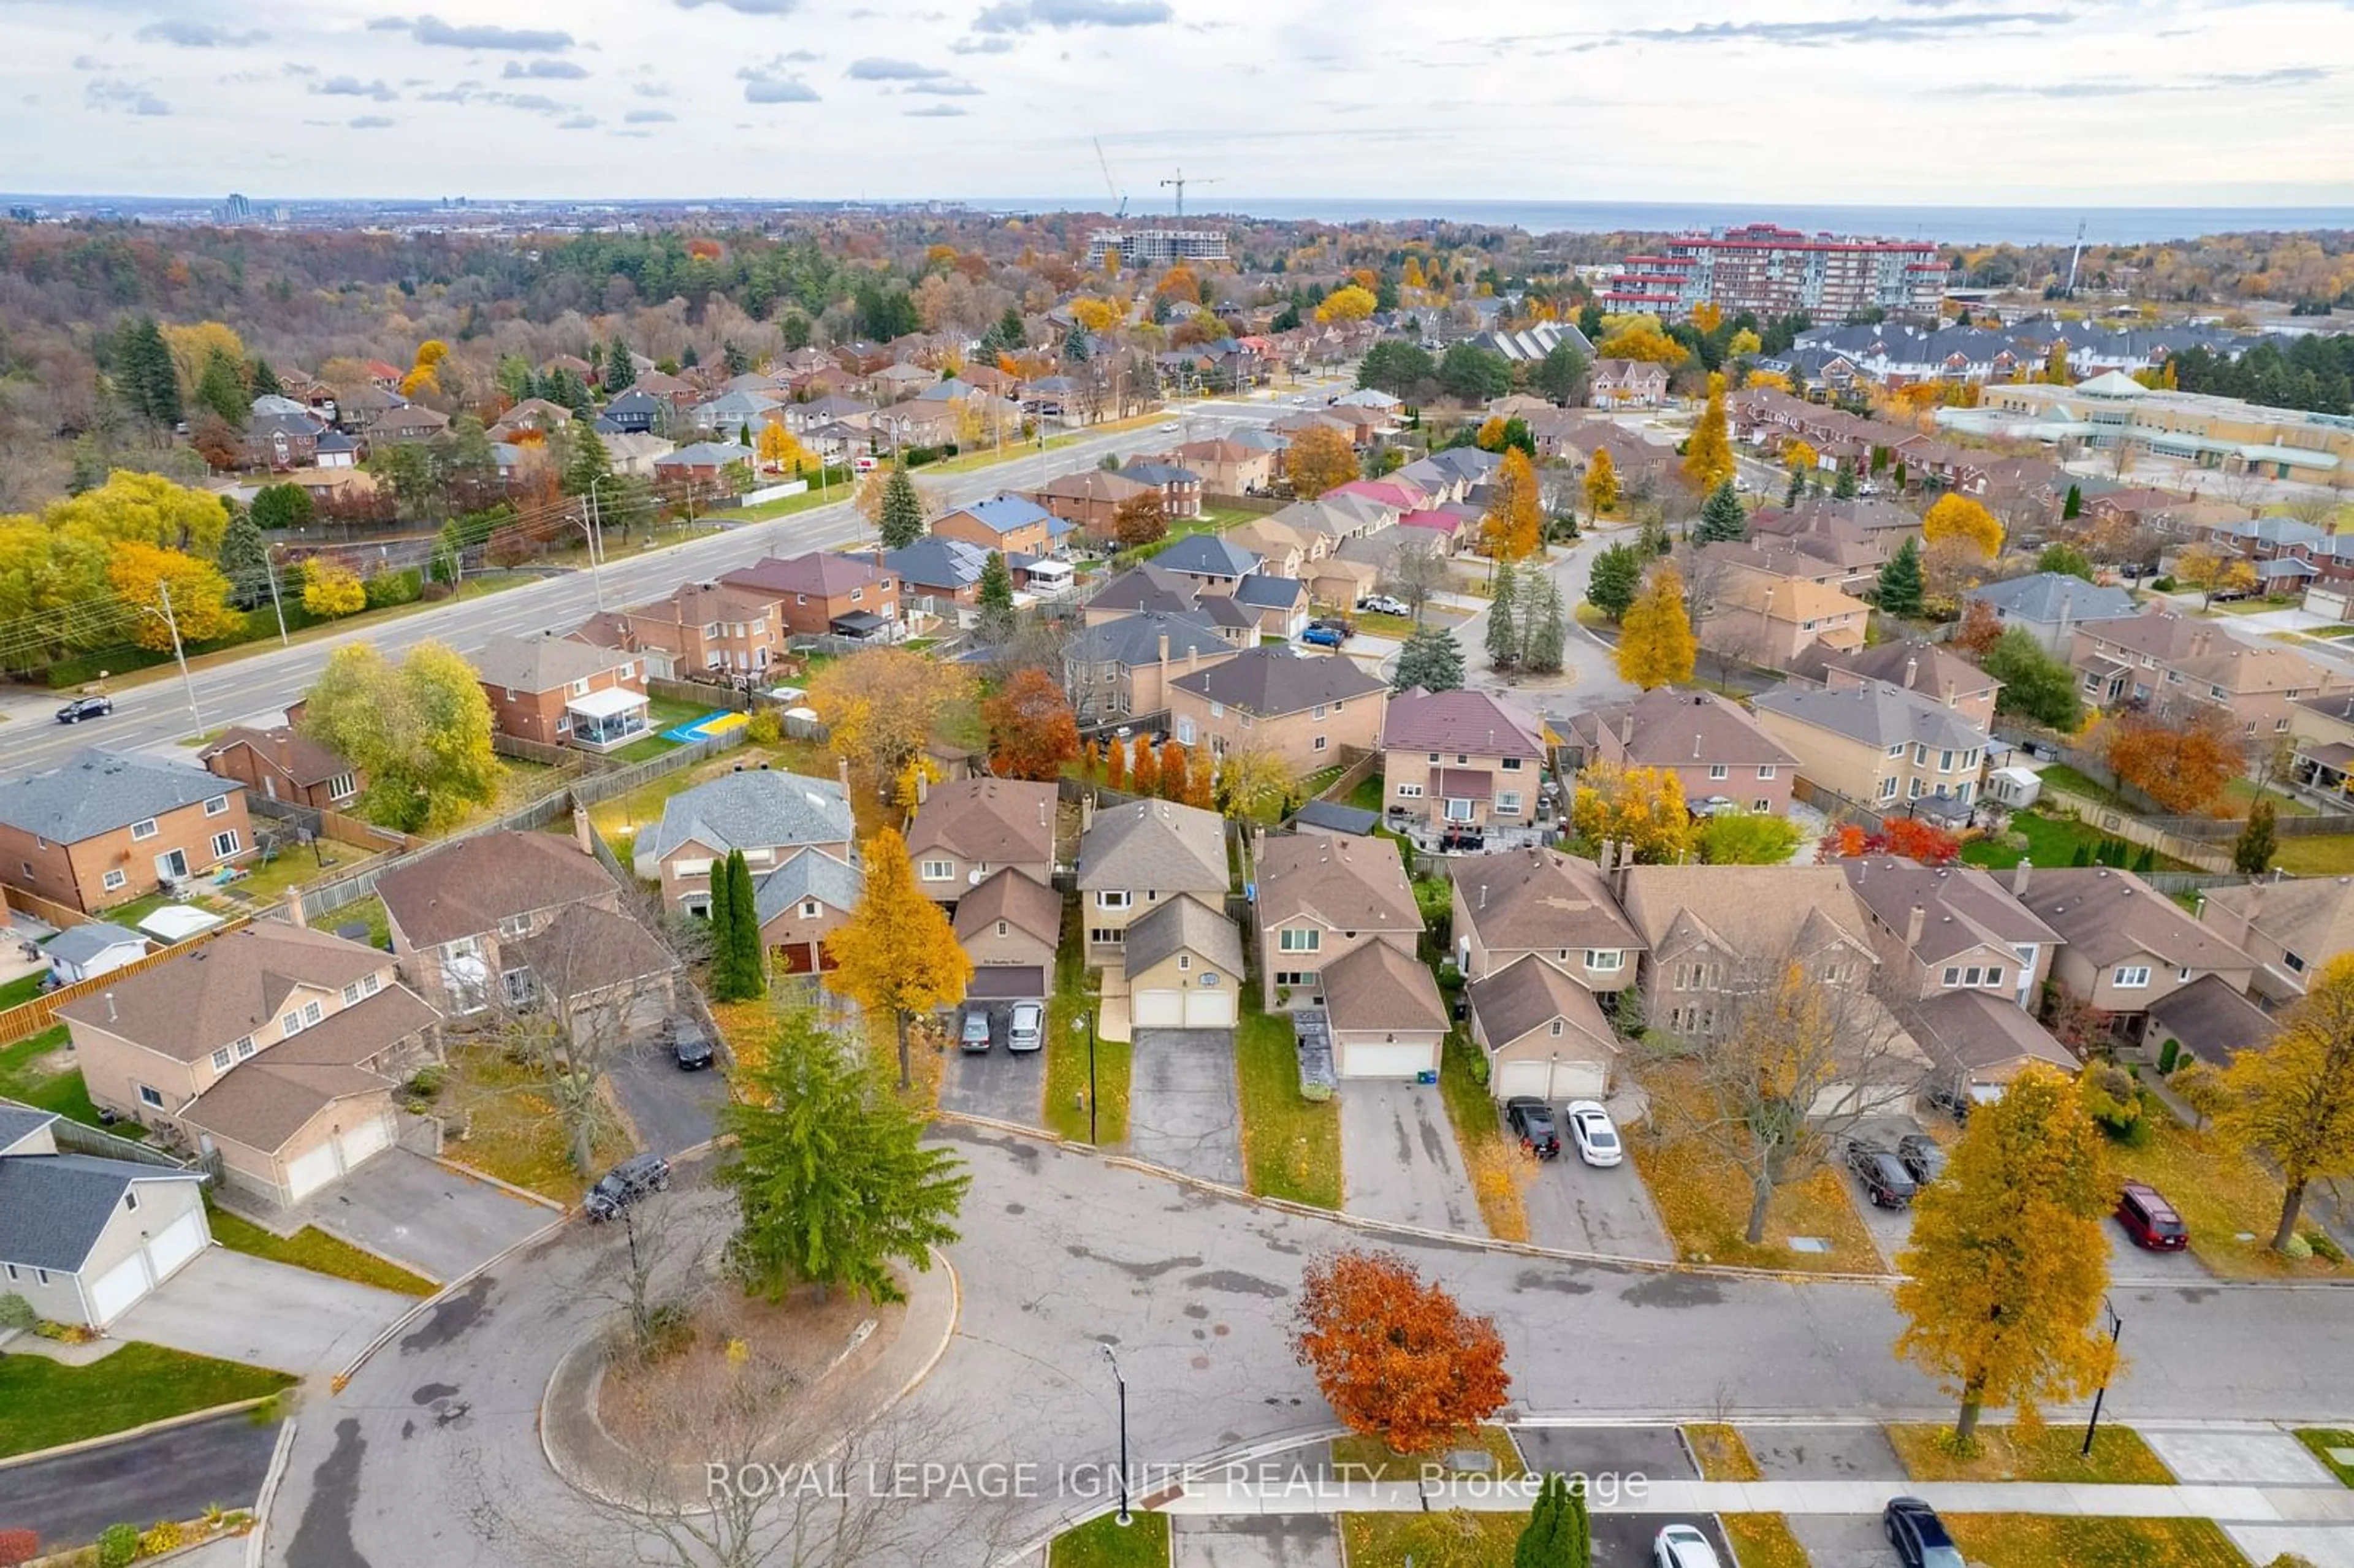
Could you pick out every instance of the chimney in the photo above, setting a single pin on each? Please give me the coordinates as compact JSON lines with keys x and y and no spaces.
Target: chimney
{"x":2018,"y":875}
{"x":1917,"y":920}
{"x":109,"y":1007}
{"x":1164,"y":646}
{"x":923,"y":786}
{"x":580,"y":832}
{"x":842,"y":771}
{"x":295,"y":915}
{"x":1626,"y":724}
{"x":1912,"y":669}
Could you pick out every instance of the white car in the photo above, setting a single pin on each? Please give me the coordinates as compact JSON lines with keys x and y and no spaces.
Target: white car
{"x":1596,"y":1139}
{"x":1682,"y":1546}
{"x":1027,"y":1029}
{"x":1172,"y":427}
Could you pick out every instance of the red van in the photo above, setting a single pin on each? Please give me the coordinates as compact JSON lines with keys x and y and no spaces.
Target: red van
{"x":2150,"y":1220}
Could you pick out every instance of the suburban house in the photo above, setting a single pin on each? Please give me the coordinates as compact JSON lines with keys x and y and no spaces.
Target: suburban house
{"x":1338,"y":927}
{"x":1458,"y":759}
{"x":2168,"y":663}
{"x":1117,"y":667}
{"x":1228,"y":466}
{"x":275,"y":1045}
{"x":1711,"y":935}
{"x":2208,"y":1020}
{"x":967,"y":829}
{"x":1280,"y":603}
{"x":802,"y":902}
{"x":283,"y":763}
{"x":1184,"y":965}
{"x":938,"y":569}
{"x":2290,"y":928}
{"x":1089,"y":498}
{"x":1626,"y":383}
{"x":108,"y":827}
{"x":1207,"y":561}
{"x":2127,"y":946}
{"x":553,"y":690}
{"x":1534,"y":903}
{"x":710,"y":627}
{"x":1146,"y":589}
{"x":1180,"y":487}
{"x":1711,"y":744}
{"x":1770,"y":621}
{"x":1009,"y":927}
{"x":1302,"y":708}
{"x":1927,"y":668}
{"x":1009,"y":524}
{"x":90,"y":949}
{"x":506,"y":919}
{"x":2051,"y":605}
{"x":1282,"y":550}
{"x":1880,"y":745}
{"x":1976,"y":1041}
{"x":820,"y":591}
{"x":1135,"y":857}
{"x":1542,"y":1034}
{"x":1953,"y":928}
{"x":772,"y":816}
{"x":2322,"y":744}
{"x":84,"y":1239}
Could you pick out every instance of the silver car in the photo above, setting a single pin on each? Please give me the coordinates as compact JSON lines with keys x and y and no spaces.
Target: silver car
{"x":1026,"y":1031}
{"x":974,"y":1036}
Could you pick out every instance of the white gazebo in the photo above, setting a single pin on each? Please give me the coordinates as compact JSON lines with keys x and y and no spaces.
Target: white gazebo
{"x":603,"y":720}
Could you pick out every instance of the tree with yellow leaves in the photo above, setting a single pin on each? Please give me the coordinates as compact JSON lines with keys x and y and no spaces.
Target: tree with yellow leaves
{"x":141,"y":574}
{"x":1798,"y":457}
{"x":1656,"y":646}
{"x":1601,"y":483}
{"x":880,"y":705}
{"x":331,"y":589}
{"x":1960,"y":517}
{"x":2292,"y":1099}
{"x":1095,"y":314}
{"x":1319,"y":459}
{"x":781,"y":450}
{"x":2007,"y":1268}
{"x":1513,"y":528}
{"x":1708,"y":455}
{"x":1745,"y":345}
{"x":1641,"y":339}
{"x":193,"y":346}
{"x":1706,"y":317}
{"x":145,"y":507}
{"x":1642,"y":808}
{"x":1350,"y":303}
{"x":2212,"y":571}
{"x":897,"y":953}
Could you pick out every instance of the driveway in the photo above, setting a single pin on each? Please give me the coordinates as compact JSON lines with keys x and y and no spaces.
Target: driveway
{"x":1624,"y":1540}
{"x":1399,"y":1160}
{"x":1858,"y":1453}
{"x":1255,"y":1540}
{"x":424,"y":1215}
{"x":671,"y":1110}
{"x":175,"y":1474}
{"x":242,"y":1309}
{"x":1182,"y":1106}
{"x":1655,"y":1452}
{"x":1573,"y":1206}
{"x":1842,"y":1539}
{"x":1005,"y":1085}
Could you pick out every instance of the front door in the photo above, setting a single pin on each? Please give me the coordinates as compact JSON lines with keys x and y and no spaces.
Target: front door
{"x":174,"y":864}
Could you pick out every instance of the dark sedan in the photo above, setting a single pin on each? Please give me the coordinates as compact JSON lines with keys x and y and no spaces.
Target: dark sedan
{"x":1919,"y":1535}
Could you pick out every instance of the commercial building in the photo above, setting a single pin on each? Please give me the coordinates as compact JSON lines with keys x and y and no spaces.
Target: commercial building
{"x":1772,"y":271}
{"x":2113,"y":409}
{"x":1155,"y":246}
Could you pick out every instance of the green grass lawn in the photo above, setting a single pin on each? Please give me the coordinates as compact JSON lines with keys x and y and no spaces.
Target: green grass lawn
{"x":35,"y":1072}
{"x":2320,"y":1440}
{"x":1105,"y":1542}
{"x":2049,"y":1541}
{"x":315,"y":1250}
{"x":2051,"y":840}
{"x":2060,"y":775}
{"x":43,"y":1404}
{"x":2052,"y":1454}
{"x":18,"y":992}
{"x":2322,"y":855}
{"x":2242,"y":794}
{"x":1067,"y":1050}
{"x":1291,"y":1146}
{"x":1367,"y":795}
{"x":297,"y":866}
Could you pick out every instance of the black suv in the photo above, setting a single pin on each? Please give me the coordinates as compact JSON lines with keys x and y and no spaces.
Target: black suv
{"x":1919,"y":1536}
{"x":1924,"y":1156}
{"x":1885,"y":1181}
{"x":1532,"y":1119}
{"x":627,"y":1182}
{"x":688,"y":1045}
{"x":83,"y":708}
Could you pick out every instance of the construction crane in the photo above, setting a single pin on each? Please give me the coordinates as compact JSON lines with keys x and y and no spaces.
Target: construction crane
{"x":1110,"y":185}
{"x":1181,"y":182}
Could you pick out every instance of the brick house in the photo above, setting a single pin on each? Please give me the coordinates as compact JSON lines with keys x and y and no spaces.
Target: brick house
{"x":967,"y":829}
{"x":1626,"y":384}
{"x":1304,"y":709}
{"x":1712,"y":745}
{"x":1228,"y":466}
{"x":107,"y":827}
{"x":710,"y":627}
{"x":1011,"y":524}
{"x":1927,"y":668}
{"x":1878,"y":744}
{"x":1133,"y":857}
{"x":1338,"y":927}
{"x":813,"y":592}
{"x":1123,"y":666}
{"x":556,"y":690}
{"x":1088,"y":498}
{"x":771,"y":815}
{"x":283,"y":763}
{"x":1459,"y":759}
{"x":2168,"y":663}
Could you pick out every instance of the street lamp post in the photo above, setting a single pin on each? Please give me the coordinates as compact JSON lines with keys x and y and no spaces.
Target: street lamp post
{"x":1086,"y":1021}
{"x":2116,"y":1331}
{"x":1110,"y":1355}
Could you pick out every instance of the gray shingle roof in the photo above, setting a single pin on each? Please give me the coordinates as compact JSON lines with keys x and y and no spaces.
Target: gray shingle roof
{"x":1876,"y":713}
{"x":53,"y":1207}
{"x":17,"y":1124}
{"x":1263,"y":592}
{"x":1155,"y":845}
{"x":755,"y":810}
{"x":79,"y":943}
{"x":1136,"y":640}
{"x":1188,"y":924}
{"x":1207,"y":555}
{"x":543,"y":663}
{"x":2055,"y":597}
{"x":97,"y":791}
{"x":1269,"y":681}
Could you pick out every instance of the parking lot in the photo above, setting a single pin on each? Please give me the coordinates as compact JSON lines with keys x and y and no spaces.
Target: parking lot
{"x":1008,"y":1085}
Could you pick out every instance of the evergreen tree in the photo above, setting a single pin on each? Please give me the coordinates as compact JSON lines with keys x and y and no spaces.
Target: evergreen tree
{"x":1559,"y":1534}
{"x":263,"y":380}
{"x":620,"y":370}
{"x":995,"y":600}
{"x":2145,"y":863}
{"x":516,"y":383}
{"x":220,"y":387}
{"x":1074,"y":347}
{"x":734,"y":360}
{"x":1843,"y":488}
{"x":1548,"y":640}
{"x":144,"y":377}
{"x":588,"y":462}
{"x":2073,"y":506}
{"x":2252,"y":854}
{"x":749,"y":967}
{"x":1902,"y":582}
{"x":902,"y":522}
{"x":1616,"y":578}
{"x":1797,"y":487}
{"x":722,"y":977}
{"x":2082,"y":857}
{"x":1011,"y":332}
{"x":1721,"y":518}
{"x":244,"y":560}
{"x":688,"y":358}
{"x":1430,"y":658}
{"x":794,"y":330}
{"x":1503,"y":627}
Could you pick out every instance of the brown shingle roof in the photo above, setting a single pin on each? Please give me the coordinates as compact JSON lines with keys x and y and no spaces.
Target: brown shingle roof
{"x":2213,"y":1021}
{"x":1529,"y":993}
{"x":1270,"y":682}
{"x":820,"y":572}
{"x":1470,"y":722}
{"x":305,"y":760}
{"x":1757,"y":912}
{"x":1961,"y":906}
{"x":1537,"y":899}
{"x":224,"y":989}
{"x":2107,"y":915}
{"x":540,"y":663}
{"x":1031,"y":907}
{"x":995,"y":821}
{"x":1349,"y":885}
{"x":586,"y":949}
{"x":1669,"y":729}
{"x":468,"y":888}
{"x":266,"y":1100}
{"x":1379,"y":987}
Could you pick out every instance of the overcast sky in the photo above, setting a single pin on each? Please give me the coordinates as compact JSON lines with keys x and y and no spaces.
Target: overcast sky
{"x":2114,"y":102}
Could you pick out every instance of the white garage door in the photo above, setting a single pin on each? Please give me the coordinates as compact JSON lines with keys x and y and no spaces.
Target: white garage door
{"x":181,"y":1240}
{"x":118,"y":1289}
{"x":1553,"y":1080}
{"x":1210,"y":1009}
{"x":314,"y":1171}
{"x":1157,"y":1010}
{"x":1385,"y":1059}
{"x":369,"y":1137}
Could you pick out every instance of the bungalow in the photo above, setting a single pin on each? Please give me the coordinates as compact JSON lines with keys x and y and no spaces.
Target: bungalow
{"x":702,"y":464}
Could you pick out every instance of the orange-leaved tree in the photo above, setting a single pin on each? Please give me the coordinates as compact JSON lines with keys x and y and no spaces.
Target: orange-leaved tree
{"x":1319,"y":459}
{"x":1513,"y":528}
{"x":2182,"y":760}
{"x":1394,"y":1355}
{"x":1032,"y":732}
{"x":1960,"y":517}
{"x":897,"y":953}
{"x":1172,"y":771}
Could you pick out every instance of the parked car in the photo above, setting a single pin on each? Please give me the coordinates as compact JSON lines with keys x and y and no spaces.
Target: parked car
{"x":2154,"y":1224}
{"x":1590,"y":1128}
{"x":83,"y":708}
{"x":690,"y":1047}
{"x":1919,"y":1536}
{"x":1172,"y":427}
{"x":1953,"y":1099}
{"x":1026,"y":1030}
{"x":1322,"y":637}
{"x":1922,"y":1156}
{"x":1885,"y":1181}
{"x":974,"y":1034}
{"x":1530,"y":1120}
{"x":1682,"y":1546}
{"x":624,"y":1184}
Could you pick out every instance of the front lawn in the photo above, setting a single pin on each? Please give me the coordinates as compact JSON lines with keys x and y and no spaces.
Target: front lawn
{"x":2321,"y":1440}
{"x":2223,"y":1193}
{"x":1497,"y":1169}
{"x":2068,"y":1540}
{"x":1763,"y":1541}
{"x":1105,"y":1542}
{"x":1358,"y":1458}
{"x":1453,"y":1539}
{"x":513,"y":1130}
{"x":2009,"y":1453}
{"x":1704,"y":1199}
{"x":1291,"y":1146}
{"x":44,"y":1404}
{"x":315,"y":1250}
{"x":1066,"y":1049}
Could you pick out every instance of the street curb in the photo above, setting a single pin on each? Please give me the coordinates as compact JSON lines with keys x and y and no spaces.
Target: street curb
{"x":85,"y":1445}
{"x":257,"y":1539}
{"x":367,"y":1352}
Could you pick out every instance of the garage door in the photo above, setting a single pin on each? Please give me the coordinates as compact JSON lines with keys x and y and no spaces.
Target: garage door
{"x":1553,"y":1080}
{"x":181,"y":1240}
{"x":1208,"y":1009}
{"x":1384,"y":1059}
{"x":370,"y":1137}
{"x":1157,"y":1010}
{"x":1007,"y":982}
{"x":118,"y":1289}
{"x":314,"y":1171}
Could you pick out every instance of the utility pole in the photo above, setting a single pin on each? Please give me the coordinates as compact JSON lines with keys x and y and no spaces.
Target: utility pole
{"x":590,"y":525}
{"x":269,"y":562}
{"x":180,"y":653}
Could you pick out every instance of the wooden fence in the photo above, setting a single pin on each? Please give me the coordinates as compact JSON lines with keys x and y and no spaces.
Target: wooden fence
{"x":569,"y":759}
{"x":40,"y":908}
{"x":709,"y":696}
{"x":29,"y":1018}
{"x":323,"y":822}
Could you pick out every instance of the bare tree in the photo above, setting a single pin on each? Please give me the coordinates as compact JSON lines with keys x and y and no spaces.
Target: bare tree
{"x":1416,"y":570}
{"x":2242,"y":486}
{"x":2314,"y":508}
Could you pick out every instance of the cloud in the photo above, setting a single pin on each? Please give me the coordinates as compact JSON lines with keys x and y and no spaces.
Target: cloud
{"x":877,"y":68}
{"x":529,"y":102}
{"x":353,"y":87}
{"x":995,"y":44}
{"x":190,"y":34}
{"x":88,"y":62}
{"x":937,"y":112}
{"x":1842,"y":31}
{"x":946,"y":90}
{"x":1021,"y":15}
{"x":292,"y":69}
{"x":112,"y":95}
{"x":747,"y":7}
{"x":545,"y":71}
{"x":578,"y":123}
{"x":475,"y":34}
{"x":371,"y":122}
{"x":651,"y":89}
{"x":2280,"y":76}
{"x":771,"y":83}
{"x":648,"y":117}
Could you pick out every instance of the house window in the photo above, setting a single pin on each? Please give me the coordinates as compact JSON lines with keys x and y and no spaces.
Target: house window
{"x":221,"y":1060}
{"x":244,"y":1047}
{"x":1004,"y":930}
{"x":145,"y":830}
{"x":1765,"y":771}
{"x":291,"y":1023}
{"x":581,"y":688}
{"x":1217,"y":710}
{"x":368,"y":986}
{"x":342,"y":787}
{"x":216,"y":806}
{"x":1511,"y":764}
{"x":514,"y":925}
{"x":1556,"y":1028}
{"x":2130,"y":977}
{"x":1994,"y":975}
{"x":939,"y":871}
{"x":1913,"y":789}
{"x":809,"y":908}
{"x":1291,"y":941}
{"x":1185,"y":731}
{"x":1462,"y":760}
{"x":2295,"y":962}
{"x":1107,"y":935}
{"x":1896,"y":750}
{"x":148,"y":1096}
{"x":1761,"y":804}
{"x":1434,"y":757}
{"x":1945,"y":761}
{"x":1321,"y":741}
{"x":1114,"y":898}
{"x":1953,"y":976}
{"x":1508,"y":803}
{"x":114,"y":881}
{"x":351,"y":993}
{"x":1719,"y":770}
{"x":1298,"y":978}
{"x":1316,"y":712}
{"x":312,"y":1013}
{"x":1973,"y":975}
{"x":1458,"y":810}
{"x":1185,"y":962}
{"x":1409,"y":791}
{"x":1888,"y":789}
{"x":858,"y":595}
{"x":224,"y":844}
{"x":1605,"y":958}
{"x":515,"y":985}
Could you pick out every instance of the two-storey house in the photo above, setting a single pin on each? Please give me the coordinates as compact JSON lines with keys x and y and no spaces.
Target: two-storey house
{"x":771,"y":815}
{"x":1461,"y":760}
{"x":107,"y":827}
{"x":1133,"y":857}
{"x":968,"y":830}
{"x":2290,"y":927}
{"x":1927,"y":668}
{"x":1337,"y":927}
{"x":2166,"y":662}
{"x":554,"y":690}
{"x":1302,"y":708}
{"x":1121,"y":666}
{"x":1880,"y":744}
{"x":2127,"y":946}
{"x":1009,"y":524}
{"x":1710,"y":743}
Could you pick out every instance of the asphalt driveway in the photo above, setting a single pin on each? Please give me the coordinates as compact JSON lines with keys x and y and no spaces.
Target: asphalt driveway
{"x":1183,"y":1110}
{"x":174,"y":1474}
{"x":1255,"y":1540}
{"x":1008,"y":1085}
{"x":425,"y":1215}
{"x":671,"y":1110}
{"x":1399,"y":1160}
{"x":242,"y":1309}
{"x":1573,"y":1206}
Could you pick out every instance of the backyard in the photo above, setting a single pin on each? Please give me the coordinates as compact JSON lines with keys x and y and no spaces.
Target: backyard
{"x":2051,"y":841}
{"x":38,"y":1071}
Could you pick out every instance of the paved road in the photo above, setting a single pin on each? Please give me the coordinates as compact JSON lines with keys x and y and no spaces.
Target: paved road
{"x":262,"y":683}
{"x":1062,"y":1254}
{"x":168,"y":1475}
{"x":1589,"y":676}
